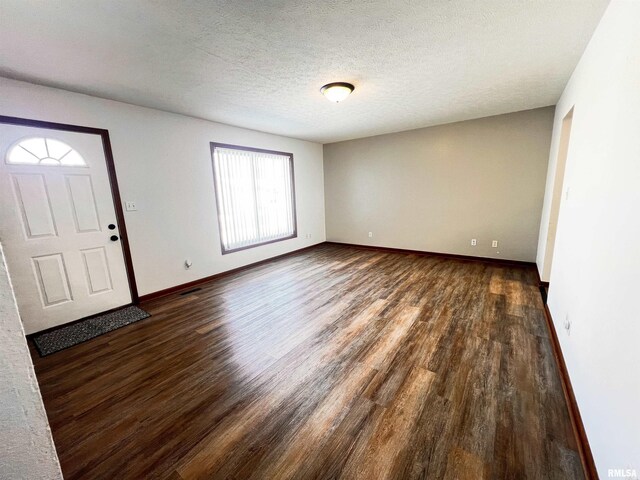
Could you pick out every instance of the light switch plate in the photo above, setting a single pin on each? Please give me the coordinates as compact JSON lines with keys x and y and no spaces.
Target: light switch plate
{"x":130,"y":206}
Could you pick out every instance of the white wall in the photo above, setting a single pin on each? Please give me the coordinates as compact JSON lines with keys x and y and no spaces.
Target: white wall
{"x":26,"y":445}
{"x":595,"y":276}
{"x":436,"y":188}
{"x":163,"y":162}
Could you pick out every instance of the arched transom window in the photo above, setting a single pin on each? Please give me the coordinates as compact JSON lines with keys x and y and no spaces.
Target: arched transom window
{"x":44,"y":151}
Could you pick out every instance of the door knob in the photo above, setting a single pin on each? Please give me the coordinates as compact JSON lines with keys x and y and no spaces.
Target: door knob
{"x":111,"y":226}
{"x":114,"y":238}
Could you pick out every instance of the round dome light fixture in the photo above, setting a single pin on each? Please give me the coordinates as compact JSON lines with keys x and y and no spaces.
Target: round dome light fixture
{"x":337,"y":91}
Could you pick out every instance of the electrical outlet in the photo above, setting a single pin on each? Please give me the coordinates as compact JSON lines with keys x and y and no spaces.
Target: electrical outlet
{"x":130,"y":206}
{"x":474,"y":242}
{"x":494,"y":244}
{"x":370,"y":234}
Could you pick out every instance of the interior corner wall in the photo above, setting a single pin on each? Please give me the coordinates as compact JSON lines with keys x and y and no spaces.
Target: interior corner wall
{"x":595,"y":274}
{"x":434,"y":189}
{"x":27,"y":445}
{"x":163,"y":163}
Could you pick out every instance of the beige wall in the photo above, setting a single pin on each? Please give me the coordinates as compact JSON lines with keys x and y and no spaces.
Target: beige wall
{"x":436,"y":188}
{"x":596,"y":260}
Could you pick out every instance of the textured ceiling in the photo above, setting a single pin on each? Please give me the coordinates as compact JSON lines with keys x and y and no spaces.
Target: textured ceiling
{"x":260,"y":64}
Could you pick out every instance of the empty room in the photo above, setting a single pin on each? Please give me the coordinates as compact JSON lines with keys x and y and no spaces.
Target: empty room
{"x":319,"y":240}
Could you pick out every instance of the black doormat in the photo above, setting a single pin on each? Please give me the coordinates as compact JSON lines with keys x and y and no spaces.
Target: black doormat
{"x":67,"y":336}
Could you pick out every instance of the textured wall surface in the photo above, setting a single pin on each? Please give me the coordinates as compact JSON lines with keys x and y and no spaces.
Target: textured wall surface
{"x":26,"y":445}
{"x":261,"y":64}
{"x":596,"y":262}
{"x":436,"y":188}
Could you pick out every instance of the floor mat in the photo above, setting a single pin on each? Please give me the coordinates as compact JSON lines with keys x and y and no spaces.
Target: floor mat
{"x":67,"y":336}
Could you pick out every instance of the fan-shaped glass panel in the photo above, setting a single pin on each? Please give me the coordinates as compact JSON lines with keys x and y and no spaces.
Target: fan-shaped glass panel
{"x":44,"y":151}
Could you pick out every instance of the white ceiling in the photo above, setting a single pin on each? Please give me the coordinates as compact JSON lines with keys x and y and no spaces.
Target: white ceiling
{"x":260,"y":64}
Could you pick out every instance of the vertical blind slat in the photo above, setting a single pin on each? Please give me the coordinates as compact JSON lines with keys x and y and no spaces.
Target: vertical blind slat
{"x":254,"y":195}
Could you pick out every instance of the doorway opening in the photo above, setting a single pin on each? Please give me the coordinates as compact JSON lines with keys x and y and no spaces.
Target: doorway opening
{"x":558,"y":188}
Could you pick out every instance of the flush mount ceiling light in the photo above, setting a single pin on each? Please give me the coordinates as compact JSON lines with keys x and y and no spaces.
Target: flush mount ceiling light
{"x":337,"y":91}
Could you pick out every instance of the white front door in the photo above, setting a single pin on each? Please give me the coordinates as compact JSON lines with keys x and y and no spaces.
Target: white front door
{"x":58,"y":226}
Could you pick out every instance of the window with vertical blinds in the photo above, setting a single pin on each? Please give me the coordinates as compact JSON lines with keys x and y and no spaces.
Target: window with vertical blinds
{"x":255,"y":196}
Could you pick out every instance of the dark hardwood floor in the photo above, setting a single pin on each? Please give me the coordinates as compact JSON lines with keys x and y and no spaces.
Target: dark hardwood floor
{"x":336,"y":362}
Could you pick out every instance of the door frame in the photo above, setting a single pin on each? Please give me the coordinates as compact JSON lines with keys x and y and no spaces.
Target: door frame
{"x":113,"y":183}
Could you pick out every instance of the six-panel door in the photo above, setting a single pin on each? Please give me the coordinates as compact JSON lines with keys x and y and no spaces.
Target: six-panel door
{"x":54,"y":226}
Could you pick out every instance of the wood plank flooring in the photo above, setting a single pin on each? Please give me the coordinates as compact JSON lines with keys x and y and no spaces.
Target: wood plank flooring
{"x":336,"y":362}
